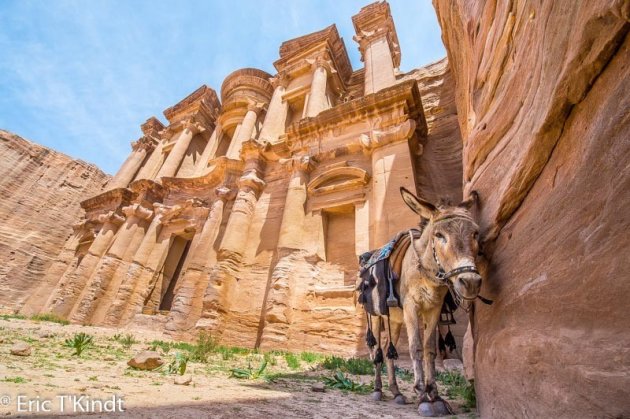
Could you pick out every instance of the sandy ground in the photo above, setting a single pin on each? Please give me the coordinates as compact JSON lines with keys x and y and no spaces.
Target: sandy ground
{"x":52,"y":373}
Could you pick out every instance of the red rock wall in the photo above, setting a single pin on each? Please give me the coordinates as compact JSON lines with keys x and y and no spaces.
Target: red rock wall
{"x":542,"y":94}
{"x":40,"y":191}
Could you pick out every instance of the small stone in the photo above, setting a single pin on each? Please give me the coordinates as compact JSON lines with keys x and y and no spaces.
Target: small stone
{"x":318,"y":388}
{"x":109,"y":358}
{"x":46,"y":335}
{"x":21,"y":349}
{"x":454,"y":365}
{"x":147,"y":360}
{"x":183,"y":380}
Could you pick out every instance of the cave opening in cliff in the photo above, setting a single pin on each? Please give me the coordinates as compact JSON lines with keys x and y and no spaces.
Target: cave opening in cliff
{"x":172,"y":270}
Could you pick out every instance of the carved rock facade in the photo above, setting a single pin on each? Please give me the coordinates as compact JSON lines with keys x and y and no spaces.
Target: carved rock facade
{"x":244,"y":215}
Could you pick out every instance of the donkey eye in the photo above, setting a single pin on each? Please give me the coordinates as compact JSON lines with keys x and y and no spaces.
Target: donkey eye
{"x":476,"y":235}
{"x":440,"y":236}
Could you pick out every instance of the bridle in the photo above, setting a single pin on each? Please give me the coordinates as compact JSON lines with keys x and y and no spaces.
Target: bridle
{"x":442,"y":277}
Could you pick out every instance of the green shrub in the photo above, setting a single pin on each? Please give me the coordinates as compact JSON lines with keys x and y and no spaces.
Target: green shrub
{"x":342,"y":382}
{"x":204,"y":347}
{"x":50,"y":317}
{"x":16,"y":380}
{"x":356,"y":366}
{"x":126,"y":341}
{"x":80,"y":342}
{"x":457,"y":385}
{"x":249,"y":373}
{"x":292,"y":361}
{"x":178,"y":364}
{"x":309,"y":357}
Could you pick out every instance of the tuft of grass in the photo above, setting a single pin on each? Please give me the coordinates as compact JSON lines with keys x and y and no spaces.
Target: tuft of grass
{"x":355,"y":366}
{"x":270,"y":358}
{"x":292,"y":361}
{"x":404,"y":374}
{"x":12,"y":316}
{"x":50,"y":317}
{"x":249,"y":373}
{"x":16,"y":380}
{"x":93,"y":378}
{"x":342,"y":382}
{"x":310,"y":357}
{"x":458,"y":386}
{"x":204,"y":347}
{"x":80,"y":342}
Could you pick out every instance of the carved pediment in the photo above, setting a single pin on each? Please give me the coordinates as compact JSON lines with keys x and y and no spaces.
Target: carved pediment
{"x":337,"y":179}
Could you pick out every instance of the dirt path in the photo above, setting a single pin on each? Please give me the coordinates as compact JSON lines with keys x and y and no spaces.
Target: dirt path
{"x":102,"y":374}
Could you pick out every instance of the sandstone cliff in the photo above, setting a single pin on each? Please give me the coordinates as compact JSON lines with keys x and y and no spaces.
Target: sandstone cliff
{"x":542,"y":95}
{"x":40,"y":191}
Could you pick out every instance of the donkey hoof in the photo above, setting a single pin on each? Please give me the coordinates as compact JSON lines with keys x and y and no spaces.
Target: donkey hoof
{"x":441,"y":408}
{"x":377,"y":396}
{"x":425,"y":409}
{"x":400,"y":399}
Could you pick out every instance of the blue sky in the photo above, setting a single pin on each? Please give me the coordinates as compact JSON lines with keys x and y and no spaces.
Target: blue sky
{"x":81,"y":76}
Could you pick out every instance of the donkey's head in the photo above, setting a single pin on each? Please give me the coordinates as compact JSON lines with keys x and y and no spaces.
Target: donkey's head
{"x":452,"y":243}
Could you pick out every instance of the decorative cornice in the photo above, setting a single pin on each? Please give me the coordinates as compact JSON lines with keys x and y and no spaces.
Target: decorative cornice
{"x":152,"y":127}
{"x":203,"y":103}
{"x":110,"y":198}
{"x":378,"y":138}
{"x":301,"y":164}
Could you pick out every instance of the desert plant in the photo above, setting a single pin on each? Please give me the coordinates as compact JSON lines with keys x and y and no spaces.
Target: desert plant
{"x":292,"y":361}
{"x":204,"y":347}
{"x":458,"y":386}
{"x":50,"y":317}
{"x":127,"y":340}
{"x":356,"y":366}
{"x":80,"y":342}
{"x":16,"y":380}
{"x":249,"y":373}
{"x":178,"y":364}
{"x":270,"y":358}
{"x":342,"y":382}
{"x":309,"y":357}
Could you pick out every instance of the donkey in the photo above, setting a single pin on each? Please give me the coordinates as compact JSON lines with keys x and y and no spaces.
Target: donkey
{"x":443,"y":257}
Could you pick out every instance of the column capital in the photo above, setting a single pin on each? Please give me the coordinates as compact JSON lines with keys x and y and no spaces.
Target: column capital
{"x":224,"y":193}
{"x":137,"y":210}
{"x":144,"y":143}
{"x":304,"y":164}
{"x":256,"y":107}
{"x":281,"y":79}
{"x":378,"y":138}
{"x":321,"y":62}
{"x":111,"y":217}
{"x":251,"y":180}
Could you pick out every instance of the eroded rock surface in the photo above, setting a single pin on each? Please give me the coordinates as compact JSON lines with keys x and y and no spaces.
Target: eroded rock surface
{"x":40,"y":191}
{"x":543,"y":113}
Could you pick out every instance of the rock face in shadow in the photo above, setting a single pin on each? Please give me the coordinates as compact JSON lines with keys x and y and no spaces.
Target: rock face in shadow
{"x":542,"y":95}
{"x":40,"y":191}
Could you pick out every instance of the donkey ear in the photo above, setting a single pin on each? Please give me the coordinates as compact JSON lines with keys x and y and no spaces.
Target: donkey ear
{"x":471,"y":202}
{"x":421,"y":207}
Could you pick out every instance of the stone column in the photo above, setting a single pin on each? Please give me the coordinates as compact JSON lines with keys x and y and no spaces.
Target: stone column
{"x":245,"y":131}
{"x":103,"y":275}
{"x":62,"y":301}
{"x":293,"y":214}
{"x":188,"y":302}
{"x":152,"y":165}
{"x":235,"y":236}
{"x":131,"y":166}
{"x":276,"y":118}
{"x":391,"y":168}
{"x":317,"y":100}
{"x":128,"y":284}
{"x":209,"y":152}
{"x":175,"y":157}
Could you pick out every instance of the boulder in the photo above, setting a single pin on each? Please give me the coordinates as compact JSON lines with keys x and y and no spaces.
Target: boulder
{"x":183,"y":380}
{"x":147,"y":360}
{"x":21,"y":349}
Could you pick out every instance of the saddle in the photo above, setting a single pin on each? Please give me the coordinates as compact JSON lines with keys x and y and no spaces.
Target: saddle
{"x":379,"y":272}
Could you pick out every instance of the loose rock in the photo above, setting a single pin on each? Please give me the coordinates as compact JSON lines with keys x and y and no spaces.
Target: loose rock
{"x":453,"y":365}
{"x":147,"y":360}
{"x":183,"y":380}
{"x":318,"y":388}
{"x":21,"y":349}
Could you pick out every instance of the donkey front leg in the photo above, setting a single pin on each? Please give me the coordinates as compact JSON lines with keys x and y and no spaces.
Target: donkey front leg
{"x":395,"y":322}
{"x":376,"y":352}
{"x":431,"y":404}
{"x":410,"y":313}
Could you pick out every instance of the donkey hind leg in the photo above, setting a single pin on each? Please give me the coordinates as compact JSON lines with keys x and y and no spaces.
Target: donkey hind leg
{"x":396,"y":323}
{"x":431,"y":404}
{"x":377,"y":395}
